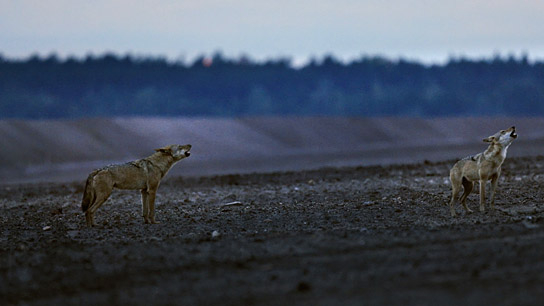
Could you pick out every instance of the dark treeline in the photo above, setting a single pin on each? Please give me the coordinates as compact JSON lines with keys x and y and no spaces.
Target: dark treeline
{"x":111,"y":85}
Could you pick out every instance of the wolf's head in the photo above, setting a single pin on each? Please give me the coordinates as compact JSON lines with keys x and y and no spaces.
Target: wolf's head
{"x":178,"y":152}
{"x":504,"y":137}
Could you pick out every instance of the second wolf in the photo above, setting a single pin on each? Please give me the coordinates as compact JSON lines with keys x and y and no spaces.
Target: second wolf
{"x":481,"y":167}
{"x":143,"y":174}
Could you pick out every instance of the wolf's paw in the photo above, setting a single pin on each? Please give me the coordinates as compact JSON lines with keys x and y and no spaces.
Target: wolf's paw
{"x":92,"y":225}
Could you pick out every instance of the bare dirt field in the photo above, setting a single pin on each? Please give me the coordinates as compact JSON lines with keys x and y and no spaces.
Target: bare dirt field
{"x":334,"y":236}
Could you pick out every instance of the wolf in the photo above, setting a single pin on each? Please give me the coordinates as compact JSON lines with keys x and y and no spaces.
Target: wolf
{"x":143,"y":174}
{"x":481,"y":167}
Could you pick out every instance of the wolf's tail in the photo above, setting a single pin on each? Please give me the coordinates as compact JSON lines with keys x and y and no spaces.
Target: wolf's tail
{"x":88,"y":194}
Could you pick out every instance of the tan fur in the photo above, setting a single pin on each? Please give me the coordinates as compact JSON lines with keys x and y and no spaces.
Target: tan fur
{"x":481,"y":167}
{"x":143,"y":174}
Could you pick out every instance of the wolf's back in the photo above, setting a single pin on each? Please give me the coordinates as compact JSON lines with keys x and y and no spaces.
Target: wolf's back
{"x":88,"y":193}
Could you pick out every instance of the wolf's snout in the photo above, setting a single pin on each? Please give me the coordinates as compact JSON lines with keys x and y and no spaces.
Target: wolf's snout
{"x":513,"y":134}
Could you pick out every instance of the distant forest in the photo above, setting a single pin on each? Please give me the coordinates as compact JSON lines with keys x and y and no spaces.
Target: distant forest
{"x":112,"y":85}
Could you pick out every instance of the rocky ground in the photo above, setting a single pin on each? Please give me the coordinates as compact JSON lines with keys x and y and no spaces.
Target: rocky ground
{"x":338,"y":236}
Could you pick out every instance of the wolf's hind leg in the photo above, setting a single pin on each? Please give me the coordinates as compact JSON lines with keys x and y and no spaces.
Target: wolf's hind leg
{"x":468,"y":186}
{"x":95,"y":207}
{"x":89,"y":218}
{"x":103,"y":192}
{"x":456,"y":188}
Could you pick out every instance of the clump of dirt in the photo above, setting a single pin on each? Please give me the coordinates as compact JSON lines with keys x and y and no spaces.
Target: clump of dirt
{"x":371,"y":235}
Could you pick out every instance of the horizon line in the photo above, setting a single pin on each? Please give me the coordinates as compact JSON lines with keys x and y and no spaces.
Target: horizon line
{"x":293,"y":61}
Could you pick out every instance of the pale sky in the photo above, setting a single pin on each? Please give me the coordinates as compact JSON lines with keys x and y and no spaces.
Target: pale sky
{"x":426,"y":30}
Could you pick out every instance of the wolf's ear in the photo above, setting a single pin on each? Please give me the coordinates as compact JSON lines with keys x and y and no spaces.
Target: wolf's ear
{"x":489,"y":139}
{"x":163,"y":150}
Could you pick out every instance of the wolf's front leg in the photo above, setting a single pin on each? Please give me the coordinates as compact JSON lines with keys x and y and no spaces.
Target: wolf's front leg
{"x":151,"y":200}
{"x":494,"y":182}
{"x":145,"y":206}
{"x":482,"y":194}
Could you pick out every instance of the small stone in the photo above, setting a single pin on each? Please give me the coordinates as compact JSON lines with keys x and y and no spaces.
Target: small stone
{"x":46,"y":228}
{"x":72,"y":233}
{"x":529,"y":224}
{"x":216,"y":234}
{"x":234,"y":203}
{"x":303,"y":287}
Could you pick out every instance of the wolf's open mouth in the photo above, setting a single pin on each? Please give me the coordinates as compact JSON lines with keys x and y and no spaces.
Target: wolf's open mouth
{"x":513,"y":134}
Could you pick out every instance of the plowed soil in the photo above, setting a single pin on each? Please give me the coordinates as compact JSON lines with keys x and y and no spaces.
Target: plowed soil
{"x":335,"y":236}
